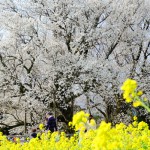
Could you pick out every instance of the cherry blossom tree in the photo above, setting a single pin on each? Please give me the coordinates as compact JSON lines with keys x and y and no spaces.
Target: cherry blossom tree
{"x":54,"y":53}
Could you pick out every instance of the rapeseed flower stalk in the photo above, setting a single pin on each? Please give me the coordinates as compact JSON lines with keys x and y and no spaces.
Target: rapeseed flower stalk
{"x":129,"y":87}
{"x":79,"y":120}
{"x":131,"y":94}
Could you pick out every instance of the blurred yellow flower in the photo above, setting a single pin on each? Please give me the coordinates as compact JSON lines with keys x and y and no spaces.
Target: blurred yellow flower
{"x":41,"y":126}
{"x":135,"y":118}
{"x":139,"y":93}
{"x":137,"y":103}
{"x":129,"y":87}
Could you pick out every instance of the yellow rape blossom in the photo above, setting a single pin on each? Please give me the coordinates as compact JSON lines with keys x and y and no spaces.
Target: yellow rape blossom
{"x":137,"y":103}
{"x":79,"y":120}
{"x":135,"y":118}
{"x":129,"y":87}
{"x":106,"y":137}
{"x":139,"y":93}
{"x":130,"y":94}
{"x":41,"y":126}
{"x":142,"y":125}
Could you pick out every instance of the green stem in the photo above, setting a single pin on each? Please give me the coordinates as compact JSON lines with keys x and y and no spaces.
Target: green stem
{"x":143,"y":104}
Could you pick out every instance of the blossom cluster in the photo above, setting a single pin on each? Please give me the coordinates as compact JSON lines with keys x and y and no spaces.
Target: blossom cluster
{"x":131,"y":94}
{"x":81,"y":122}
{"x":135,"y":136}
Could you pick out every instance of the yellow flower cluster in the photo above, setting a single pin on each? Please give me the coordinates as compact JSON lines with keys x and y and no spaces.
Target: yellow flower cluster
{"x":79,"y":121}
{"x":41,"y":126}
{"x":130,"y":94}
{"x":129,"y":87}
{"x":135,"y":136}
